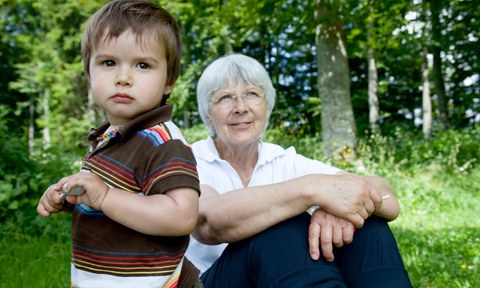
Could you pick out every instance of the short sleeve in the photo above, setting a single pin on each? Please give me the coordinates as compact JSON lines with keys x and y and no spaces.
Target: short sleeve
{"x":170,"y":165}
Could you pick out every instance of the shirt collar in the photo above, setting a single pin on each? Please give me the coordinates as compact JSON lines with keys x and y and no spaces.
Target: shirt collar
{"x":267,"y":152}
{"x":146,"y":120}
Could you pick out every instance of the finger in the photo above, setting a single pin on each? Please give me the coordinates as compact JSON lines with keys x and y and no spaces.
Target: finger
{"x":313,"y":242}
{"x":51,"y":200}
{"x":42,"y":211}
{"x":376,"y":198}
{"x":326,"y":243}
{"x":45,"y":208}
{"x":363,"y":213}
{"x":356,"y":220}
{"x":369,"y":206}
{"x":72,"y":199}
{"x":347,"y":234}
{"x":337,"y":237}
{"x":61,"y":183}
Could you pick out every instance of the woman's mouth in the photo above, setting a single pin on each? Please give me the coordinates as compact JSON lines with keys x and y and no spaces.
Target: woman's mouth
{"x":240,"y":124}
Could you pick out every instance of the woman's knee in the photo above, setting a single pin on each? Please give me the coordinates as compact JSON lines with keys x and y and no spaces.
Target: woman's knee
{"x":293,"y":230}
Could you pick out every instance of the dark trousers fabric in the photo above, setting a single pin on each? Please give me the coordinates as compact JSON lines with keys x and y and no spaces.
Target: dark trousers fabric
{"x":279,"y":257}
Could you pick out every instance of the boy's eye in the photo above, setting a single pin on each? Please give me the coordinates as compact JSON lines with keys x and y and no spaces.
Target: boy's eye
{"x":143,"y":65}
{"x":108,"y":63}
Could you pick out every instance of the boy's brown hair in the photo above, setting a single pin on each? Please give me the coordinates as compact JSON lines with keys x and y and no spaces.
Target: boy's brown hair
{"x":143,"y":18}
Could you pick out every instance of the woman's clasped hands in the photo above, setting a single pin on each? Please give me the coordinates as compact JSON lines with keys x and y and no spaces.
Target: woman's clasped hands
{"x":346,"y":200}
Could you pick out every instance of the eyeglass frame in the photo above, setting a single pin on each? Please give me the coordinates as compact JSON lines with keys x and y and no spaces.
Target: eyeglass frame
{"x":259,"y":97}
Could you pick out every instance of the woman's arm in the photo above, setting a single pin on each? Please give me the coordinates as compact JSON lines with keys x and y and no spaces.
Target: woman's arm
{"x":241,"y":213}
{"x":238,"y":214}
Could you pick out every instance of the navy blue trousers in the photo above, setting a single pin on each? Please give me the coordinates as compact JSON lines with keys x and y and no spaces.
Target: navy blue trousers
{"x":279,"y":257}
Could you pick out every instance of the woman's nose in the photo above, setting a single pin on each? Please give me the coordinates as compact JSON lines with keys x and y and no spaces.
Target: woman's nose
{"x":240,"y":105}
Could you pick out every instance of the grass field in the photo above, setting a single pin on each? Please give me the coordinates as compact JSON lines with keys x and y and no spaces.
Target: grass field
{"x":35,"y":260}
{"x":438,"y":230}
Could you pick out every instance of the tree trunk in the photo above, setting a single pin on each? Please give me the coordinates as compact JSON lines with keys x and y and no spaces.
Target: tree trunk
{"x":46,"y":117}
{"x":374,"y":114}
{"x":426,"y":100}
{"x":338,"y":124}
{"x":437,"y":65}
{"x":31,"y":126}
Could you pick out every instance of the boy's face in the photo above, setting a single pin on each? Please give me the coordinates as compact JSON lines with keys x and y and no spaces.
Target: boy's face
{"x":127,"y":77}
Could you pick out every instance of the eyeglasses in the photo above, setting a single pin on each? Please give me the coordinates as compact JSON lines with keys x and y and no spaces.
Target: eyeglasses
{"x":228,"y":101}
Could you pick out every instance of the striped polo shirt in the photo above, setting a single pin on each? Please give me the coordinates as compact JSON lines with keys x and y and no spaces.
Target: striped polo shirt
{"x":147,"y":156}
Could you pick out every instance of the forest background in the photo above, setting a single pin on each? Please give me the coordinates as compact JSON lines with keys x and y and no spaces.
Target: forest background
{"x":374,"y":87}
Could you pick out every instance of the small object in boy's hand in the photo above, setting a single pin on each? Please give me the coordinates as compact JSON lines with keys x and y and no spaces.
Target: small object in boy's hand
{"x":385,"y":196}
{"x":76,"y":190}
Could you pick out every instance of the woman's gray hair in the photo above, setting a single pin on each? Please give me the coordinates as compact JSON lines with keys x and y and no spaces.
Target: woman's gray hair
{"x":228,"y":70}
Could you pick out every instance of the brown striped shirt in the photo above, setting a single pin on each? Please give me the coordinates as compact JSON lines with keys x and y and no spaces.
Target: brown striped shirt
{"x":147,"y":156}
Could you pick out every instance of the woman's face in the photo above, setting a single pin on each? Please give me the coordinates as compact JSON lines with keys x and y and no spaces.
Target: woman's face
{"x":238,"y":113}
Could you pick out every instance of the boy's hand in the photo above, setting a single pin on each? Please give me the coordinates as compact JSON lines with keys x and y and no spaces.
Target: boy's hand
{"x":94,"y":193}
{"x":50,"y":202}
{"x":77,"y":190}
{"x":94,"y":189}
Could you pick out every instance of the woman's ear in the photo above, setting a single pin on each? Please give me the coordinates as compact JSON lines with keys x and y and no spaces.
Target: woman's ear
{"x":209,"y":120}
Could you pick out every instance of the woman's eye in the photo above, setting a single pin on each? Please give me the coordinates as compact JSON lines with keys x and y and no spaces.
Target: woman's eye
{"x":143,"y":65}
{"x":251,"y":94}
{"x":108,"y":63}
{"x":225,"y":98}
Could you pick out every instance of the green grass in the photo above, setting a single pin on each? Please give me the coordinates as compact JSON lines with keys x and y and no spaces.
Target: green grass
{"x":35,"y":260}
{"x":438,"y":231}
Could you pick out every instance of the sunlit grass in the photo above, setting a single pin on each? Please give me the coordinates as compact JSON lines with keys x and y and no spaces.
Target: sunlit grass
{"x":438,"y":229}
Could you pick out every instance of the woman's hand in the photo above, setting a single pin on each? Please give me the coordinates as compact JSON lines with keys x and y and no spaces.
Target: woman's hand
{"x":346,"y":195}
{"x":326,"y":230}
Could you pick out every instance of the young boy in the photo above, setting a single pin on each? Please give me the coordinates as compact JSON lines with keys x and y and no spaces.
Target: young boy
{"x":131,"y":224}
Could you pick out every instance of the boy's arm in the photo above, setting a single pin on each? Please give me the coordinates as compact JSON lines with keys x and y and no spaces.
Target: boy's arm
{"x":174,"y":213}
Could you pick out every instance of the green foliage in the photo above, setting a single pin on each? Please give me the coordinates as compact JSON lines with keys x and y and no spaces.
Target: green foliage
{"x":304,"y":144}
{"x":455,"y":151}
{"x":42,"y":87}
{"x":196,"y":133}
{"x":23,"y":178}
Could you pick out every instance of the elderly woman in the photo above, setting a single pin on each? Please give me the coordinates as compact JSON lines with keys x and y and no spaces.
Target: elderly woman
{"x":254,"y":230}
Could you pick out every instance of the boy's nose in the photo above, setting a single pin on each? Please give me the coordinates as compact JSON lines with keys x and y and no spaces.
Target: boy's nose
{"x":123,"y":77}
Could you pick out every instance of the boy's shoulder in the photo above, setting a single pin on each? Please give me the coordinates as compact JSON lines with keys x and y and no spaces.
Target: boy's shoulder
{"x":163,"y":132}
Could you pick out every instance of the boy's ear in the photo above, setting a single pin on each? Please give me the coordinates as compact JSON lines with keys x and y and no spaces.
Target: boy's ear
{"x":168,"y":89}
